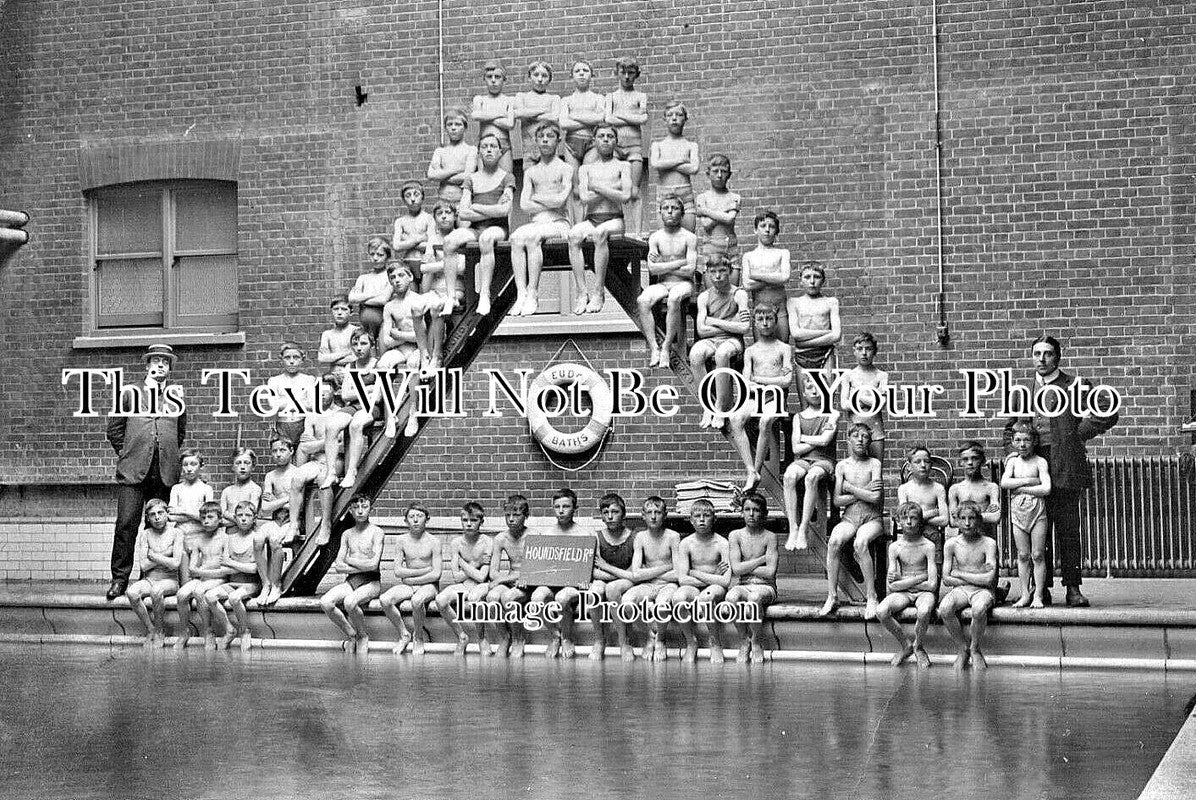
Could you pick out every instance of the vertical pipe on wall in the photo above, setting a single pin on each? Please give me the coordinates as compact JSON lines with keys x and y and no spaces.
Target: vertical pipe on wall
{"x":942,"y":331}
{"x":440,"y":65}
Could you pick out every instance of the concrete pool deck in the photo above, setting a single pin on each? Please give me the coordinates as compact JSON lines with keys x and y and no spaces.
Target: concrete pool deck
{"x":1133,"y":624}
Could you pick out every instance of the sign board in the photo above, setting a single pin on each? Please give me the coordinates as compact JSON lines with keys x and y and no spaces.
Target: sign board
{"x":557,"y":561}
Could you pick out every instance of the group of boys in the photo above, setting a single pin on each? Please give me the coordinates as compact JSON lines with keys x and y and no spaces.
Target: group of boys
{"x":652,"y":576}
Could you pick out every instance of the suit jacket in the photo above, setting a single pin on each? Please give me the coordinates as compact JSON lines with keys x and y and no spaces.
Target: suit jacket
{"x":1068,"y":460}
{"x":135,"y":440}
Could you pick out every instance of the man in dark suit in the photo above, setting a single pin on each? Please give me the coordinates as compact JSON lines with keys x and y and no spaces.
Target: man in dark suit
{"x":1061,"y":443}
{"x":147,"y":449}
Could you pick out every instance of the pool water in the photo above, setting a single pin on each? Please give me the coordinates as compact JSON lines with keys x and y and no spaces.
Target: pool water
{"x":92,"y":722}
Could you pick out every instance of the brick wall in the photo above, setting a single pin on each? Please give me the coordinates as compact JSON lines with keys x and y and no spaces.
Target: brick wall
{"x":1067,"y":173}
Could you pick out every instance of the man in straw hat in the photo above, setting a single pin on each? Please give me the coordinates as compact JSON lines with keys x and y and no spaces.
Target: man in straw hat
{"x":147,"y":445}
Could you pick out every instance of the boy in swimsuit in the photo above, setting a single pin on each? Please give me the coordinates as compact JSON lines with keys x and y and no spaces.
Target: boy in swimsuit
{"x":753,"y":554}
{"x":548,"y":184}
{"x":243,"y":581}
{"x":603,"y":186}
{"x":440,"y":270}
{"x":865,"y":374}
{"x":612,"y":573}
{"x":675,"y":160}
{"x":813,"y":440}
{"x":765,"y":270}
{"x":533,"y":109}
{"x":453,"y":161}
{"x":495,"y":113}
{"x":859,"y":491}
{"x":1027,"y":477}
{"x":927,"y":493}
{"x":418,"y":567}
{"x":355,"y":413}
{"x":244,"y":488}
{"x":188,"y":496}
{"x":768,"y":371}
{"x":814,"y":326}
{"x":317,"y":470}
{"x":655,"y":565}
{"x":969,"y":570}
{"x":984,"y":493}
{"x":564,"y":508}
{"x":160,"y":556}
{"x":404,"y":343}
{"x":913,"y":579}
{"x":203,"y":572}
{"x":703,"y":577}
{"x":411,"y":229}
{"x":510,"y":543}
{"x":336,"y":342}
{"x":717,"y":210}
{"x":465,"y":582}
{"x":358,"y":560}
{"x":486,"y":198}
{"x":291,"y":395}
{"x":372,"y":291}
{"x":672,"y":259}
{"x":723,"y":319}
{"x":581,"y":112}
{"x":269,"y":538}
{"x":627,"y":110}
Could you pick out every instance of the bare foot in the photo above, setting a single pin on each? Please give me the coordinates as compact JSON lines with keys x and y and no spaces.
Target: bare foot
{"x":520,"y":300}
{"x":922,"y":656}
{"x":392,"y":427}
{"x":829,"y":607}
{"x":412,"y":426}
{"x":483,"y":308}
{"x":690,"y":655}
{"x":1037,"y":603}
{"x":653,"y":357}
{"x":744,"y":653}
{"x":349,"y":645}
{"x":553,"y":649}
{"x":757,"y":653}
{"x":417,"y":646}
{"x":517,"y":648}
{"x":707,"y":418}
{"x":961,"y":661}
{"x":978,"y":661}
{"x":159,"y":639}
{"x":579,"y":305}
{"x":627,"y":653}
{"x":209,"y":642}
{"x":905,"y":653}
{"x":716,"y":653}
{"x":597,"y":650}
{"x":531,"y":305}
{"x":718,"y":422}
{"x":596,"y":302}
{"x":802,"y":538}
{"x":567,"y":648}
{"x":660,"y":652}
{"x":753,"y":478}
{"x":275,"y":594}
{"x":401,"y":644}
{"x":329,"y":480}
{"x":1022,"y":602}
{"x":246,"y":642}
{"x":323,"y":534}
{"x":448,"y":309}
{"x":181,"y":641}
{"x":349,"y":480}
{"x":870,"y":609}
{"x":462,"y":643}
{"x":485,"y":648}
{"x":665,"y":357}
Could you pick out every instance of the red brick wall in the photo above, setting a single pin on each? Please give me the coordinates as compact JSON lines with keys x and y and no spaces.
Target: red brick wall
{"x":1068,"y":189}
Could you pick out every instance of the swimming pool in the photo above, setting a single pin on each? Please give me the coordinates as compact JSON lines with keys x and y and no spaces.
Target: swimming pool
{"x":93,"y":722}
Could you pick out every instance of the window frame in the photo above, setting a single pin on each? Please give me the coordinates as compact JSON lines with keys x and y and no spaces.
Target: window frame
{"x":170,"y":320}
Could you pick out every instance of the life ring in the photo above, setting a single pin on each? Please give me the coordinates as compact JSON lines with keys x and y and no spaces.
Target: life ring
{"x":601,"y":409}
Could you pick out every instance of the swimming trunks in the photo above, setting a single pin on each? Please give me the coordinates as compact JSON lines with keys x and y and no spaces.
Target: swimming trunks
{"x":966,"y":593}
{"x":812,"y":357}
{"x":683,"y":192}
{"x":860,"y":514}
{"x":358,"y":579}
{"x":1025,"y":510}
{"x":579,"y":142}
{"x":600,"y":217}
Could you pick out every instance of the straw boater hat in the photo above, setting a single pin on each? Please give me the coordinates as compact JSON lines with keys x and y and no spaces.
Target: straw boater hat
{"x":163,"y":350}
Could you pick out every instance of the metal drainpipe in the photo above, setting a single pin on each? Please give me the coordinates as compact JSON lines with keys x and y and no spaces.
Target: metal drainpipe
{"x":440,"y":65}
{"x":942,"y":331}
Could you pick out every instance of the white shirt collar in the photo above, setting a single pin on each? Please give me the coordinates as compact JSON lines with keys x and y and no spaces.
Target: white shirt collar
{"x":1045,"y":379}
